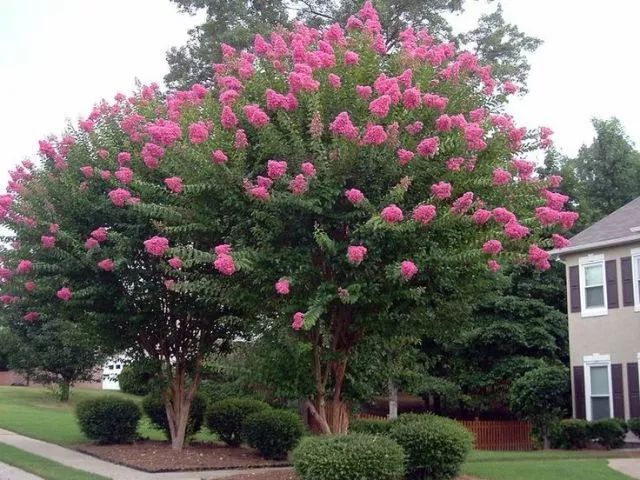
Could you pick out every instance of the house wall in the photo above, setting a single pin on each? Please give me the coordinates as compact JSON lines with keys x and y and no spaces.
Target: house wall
{"x":616,"y":334}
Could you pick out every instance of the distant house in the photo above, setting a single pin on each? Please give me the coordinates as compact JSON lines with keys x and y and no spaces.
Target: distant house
{"x":603,"y":283}
{"x":110,"y":372}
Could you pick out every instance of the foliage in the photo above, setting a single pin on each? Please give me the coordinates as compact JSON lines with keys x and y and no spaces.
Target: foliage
{"x":153,"y":406}
{"x":273,"y":432}
{"x":226,"y":417}
{"x":140,"y":376}
{"x":109,"y":419}
{"x":607,"y":432}
{"x":348,"y":457}
{"x":634,"y":426}
{"x":436,"y":447}
{"x":541,"y":396}
{"x":570,"y":434}
{"x":370,"y":427}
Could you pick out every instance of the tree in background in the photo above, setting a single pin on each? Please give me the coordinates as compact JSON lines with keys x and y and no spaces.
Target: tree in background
{"x":496,"y":42}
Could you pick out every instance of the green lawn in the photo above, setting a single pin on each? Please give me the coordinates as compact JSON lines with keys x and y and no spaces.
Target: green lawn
{"x":578,"y":469}
{"x":36,"y":413}
{"x":41,"y":466}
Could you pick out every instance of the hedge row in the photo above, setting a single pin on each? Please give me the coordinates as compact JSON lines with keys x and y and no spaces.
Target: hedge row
{"x":573,"y":434}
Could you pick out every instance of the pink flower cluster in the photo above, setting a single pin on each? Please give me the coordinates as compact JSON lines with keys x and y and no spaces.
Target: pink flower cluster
{"x":356,"y":254}
{"x":156,"y":246}
{"x":64,"y":294}
{"x":283,"y":286}
{"x":224,"y":262}
{"x":174,"y":184}
{"x":408,"y":269}
{"x":354,"y":195}
{"x":424,"y":214}
{"x":392,"y":214}
{"x":492,"y":247}
{"x":298,"y":321}
{"x":539,"y":258}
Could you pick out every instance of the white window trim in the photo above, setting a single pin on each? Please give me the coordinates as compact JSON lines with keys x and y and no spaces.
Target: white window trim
{"x":635,"y":255}
{"x":596,"y":360}
{"x":599,"y":311}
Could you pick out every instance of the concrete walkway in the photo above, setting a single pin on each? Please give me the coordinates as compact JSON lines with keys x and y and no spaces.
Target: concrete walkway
{"x":7,"y":472}
{"x":81,"y":461}
{"x":628,"y":466}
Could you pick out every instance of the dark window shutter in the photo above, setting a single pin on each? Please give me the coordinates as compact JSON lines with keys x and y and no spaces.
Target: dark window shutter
{"x":627,"y":281}
{"x":634,"y":389}
{"x":617,"y":389}
{"x":611,"y":272}
{"x":578,"y":392}
{"x":574,"y":288}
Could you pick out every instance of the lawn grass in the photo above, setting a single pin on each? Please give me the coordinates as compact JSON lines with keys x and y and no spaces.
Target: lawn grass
{"x":42,"y":467}
{"x":36,"y":412}
{"x":576,"y":469}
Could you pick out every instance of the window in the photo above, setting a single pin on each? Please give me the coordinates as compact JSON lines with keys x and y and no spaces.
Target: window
{"x":593,"y":286}
{"x":598,"y":387}
{"x":635,"y":263}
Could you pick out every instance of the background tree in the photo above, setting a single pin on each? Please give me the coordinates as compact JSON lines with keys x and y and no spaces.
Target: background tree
{"x":496,"y":42}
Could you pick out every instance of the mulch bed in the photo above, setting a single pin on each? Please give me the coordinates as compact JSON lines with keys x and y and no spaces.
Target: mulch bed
{"x":289,"y":475}
{"x":153,"y":457}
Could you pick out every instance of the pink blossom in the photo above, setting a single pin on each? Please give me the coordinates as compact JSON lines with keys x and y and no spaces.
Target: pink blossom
{"x":101,"y":234}
{"x":547,"y":216}
{"x":444,"y":123}
{"x":502,"y":215}
{"x":276,"y":169}
{"x":175,"y":262}
{"x":308,"y":169}
{"x":30,"y":286}
{"x":408,"y":269}
{"x":151,"y":155}
{"x":356,"y":254}
{"x":501,"y":177}
{"x":515,"y":230}
{"x":404,"y":156}
{"x":411,"y":98}
{"x":259,"y":192}
{"x":283,"y":286}
{"x":64,"y":294}
{"x":351,"y":58}
{"x":374,"y":135}
{"x":492,"y":247}
{"x":380,"y":106}
{"x":435,"y":101}
{"x":24,"y":266}
{"x":299,"y":185}
{"x":354,"y":195}
{"x":164,"y":132}
{"x":364,"y":91}
{"x":392,"y":214}
{"x":5,"y":273}
{"x":105,"y":174}
{"x":493,"y":265}
{"x":414,"y":128}
{"x":103,"y":154}
{"x":255,"y":115}
{"x":54,"y":228}
{"x":462,"y":204}
{"x":455,"y":164}
{"x":124,"y":174}
{"x":441,"y":190}
{"x":481,"y":216}
{"x":525,"y":168}
{"x":539,"y":258}
{"x":567,"y":219}
{"x":124,"y":158}
{"x":87,"y":171}
{"x":474,"y":136}
{"x":91,"y":243}
{"x":198,"y":132}
{"x":31,"y":316}
{"x":559,"y":241}
{"x":174,"y":184}
{"x":555,"y":200}
{"x":107,"y":265}
{"x":510,"y":87}
{"x":298,"y":321}
{"x":86,"y":125}
{"x":119,"y":197}
{"x":219,"y":157}
{"x":48,"y":241}
{"x":223,"y":249}
{"x":478,"y":115}
{"x":225,"y":264}
{"x":554,"y":180}
{"x":424,"y":214}
{"x":169,"y":284}
{"x":343,"y":126}
{"x":429,"y":146}
{"x":334,"y":80}
{"x":156,"y":246}
{"x":228,"y":119}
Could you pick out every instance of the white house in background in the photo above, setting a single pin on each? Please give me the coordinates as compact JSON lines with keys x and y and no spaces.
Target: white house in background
{"x":110,"y":372}
{"x":603,"y":283}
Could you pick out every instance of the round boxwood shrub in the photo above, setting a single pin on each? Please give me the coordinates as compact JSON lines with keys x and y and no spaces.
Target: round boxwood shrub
{"x":154,"y":408}
{"x":373,"y":427}
{"x":273,"y":432}
{"x":140,"y":376}
{"x":357,"y":456}
{"x":109,"y":419}
{"x":436,"y":447}
{"x":570,"y":434}
{"x":634,"y":426}
{"x":226,"y":417}
{"x":607,"y":432}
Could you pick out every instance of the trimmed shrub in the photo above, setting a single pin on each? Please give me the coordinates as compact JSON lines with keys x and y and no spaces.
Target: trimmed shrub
{"x":634,"y":426}
{"x":154,"y":408}
{"x":349,"y":457}
{"x":273,"y":432}
{"x":109,"y":419}
{"x":570,"y":434}
{"x":227,"y":417}
{"x":436,"y":447}
{"x":622,"y":423}
{"x":372,"y":427}
{"x":607,"y":432}
{"x":140,"y":376}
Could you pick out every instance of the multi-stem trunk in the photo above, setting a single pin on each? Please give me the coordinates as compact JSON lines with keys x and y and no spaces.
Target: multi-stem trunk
{"x":177,"y":401}
{"x":393,"y":400}
{"x":64,"y":387}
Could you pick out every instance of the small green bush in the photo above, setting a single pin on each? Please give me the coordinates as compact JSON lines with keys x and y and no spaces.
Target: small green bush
{"x":436,"y":447}
{"x":634,"y":426}
{"x":273,"y":432}
{"x":109,"y":419}
{"x":140,"y":376}
{"x":349,"y":457}
{"x":607,"y":432}
{"x":154,"y":408}
{"x":570,"y":434}
{"x":226,"y":417}
{"x":373,"y":427}
{"x":622,"y":423}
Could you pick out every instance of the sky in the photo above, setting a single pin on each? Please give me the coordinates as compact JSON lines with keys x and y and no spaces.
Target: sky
{"x":59,"y":57}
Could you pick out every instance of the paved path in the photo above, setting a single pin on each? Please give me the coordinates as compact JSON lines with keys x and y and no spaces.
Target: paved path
{"x":628,"y":466}
{"x":81,"y":461}
{"x":7,"y":472}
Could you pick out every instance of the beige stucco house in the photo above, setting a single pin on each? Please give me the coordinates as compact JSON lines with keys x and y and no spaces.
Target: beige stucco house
{"x":603,"y":283}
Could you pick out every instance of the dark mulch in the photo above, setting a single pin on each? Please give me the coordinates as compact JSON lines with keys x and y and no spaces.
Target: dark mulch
{"x":289,"y":475}
{"x":153,"y":456}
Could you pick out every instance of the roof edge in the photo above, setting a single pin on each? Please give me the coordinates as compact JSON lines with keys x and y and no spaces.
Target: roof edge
{"x":593,"y":245}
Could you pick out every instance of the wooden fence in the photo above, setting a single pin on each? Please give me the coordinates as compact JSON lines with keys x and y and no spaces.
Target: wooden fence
{"x":491,"y":435}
